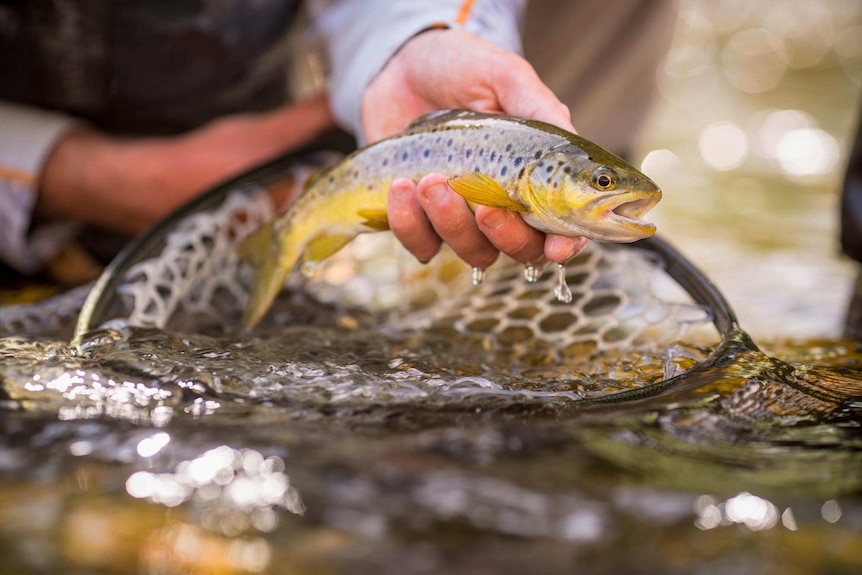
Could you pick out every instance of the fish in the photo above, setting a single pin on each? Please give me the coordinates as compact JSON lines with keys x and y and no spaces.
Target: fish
{"x":556,"y":180}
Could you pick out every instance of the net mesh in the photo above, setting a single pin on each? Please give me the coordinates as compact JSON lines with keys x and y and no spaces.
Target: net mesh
{"x":199,"y":272}
{"x":622,"y":299}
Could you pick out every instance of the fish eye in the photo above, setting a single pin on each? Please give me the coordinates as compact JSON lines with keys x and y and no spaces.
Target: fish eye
{"x":604,"y":179}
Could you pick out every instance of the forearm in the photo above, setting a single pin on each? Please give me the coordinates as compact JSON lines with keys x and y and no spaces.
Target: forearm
{"x":129,"y":184}
{"x":121,"y":184}
{"x":361,"y":37}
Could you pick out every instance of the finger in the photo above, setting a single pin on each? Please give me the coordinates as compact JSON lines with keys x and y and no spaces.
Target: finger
{"x":511,"y":235}
{"x":561,"y":249}
{"x":454,"y":222}
{"x":408,"y":222}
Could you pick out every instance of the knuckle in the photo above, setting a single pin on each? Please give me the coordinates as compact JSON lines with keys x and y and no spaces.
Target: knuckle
{"x":523,"y":250}
{"x":454,"y":227}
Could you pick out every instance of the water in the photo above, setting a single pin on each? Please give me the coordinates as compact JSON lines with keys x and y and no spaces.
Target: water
{"x":347,"y":442}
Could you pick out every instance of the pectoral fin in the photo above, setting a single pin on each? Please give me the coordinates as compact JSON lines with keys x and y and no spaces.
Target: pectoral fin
{"x":480,"y":189}
{"x":375,"y":219}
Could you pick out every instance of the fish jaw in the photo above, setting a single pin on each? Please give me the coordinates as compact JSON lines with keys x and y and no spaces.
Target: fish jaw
{"x":619,"y":219}
{"x":608,"y":219}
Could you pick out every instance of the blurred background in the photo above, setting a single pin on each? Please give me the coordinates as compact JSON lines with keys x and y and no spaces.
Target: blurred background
{"x":759,"y":102}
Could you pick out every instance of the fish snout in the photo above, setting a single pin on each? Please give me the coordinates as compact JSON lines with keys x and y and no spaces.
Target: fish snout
{"x":622,"y":215}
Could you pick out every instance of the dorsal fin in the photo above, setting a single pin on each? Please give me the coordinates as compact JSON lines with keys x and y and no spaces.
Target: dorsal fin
{"x":434,"y":118}
{"x":322,"y":163}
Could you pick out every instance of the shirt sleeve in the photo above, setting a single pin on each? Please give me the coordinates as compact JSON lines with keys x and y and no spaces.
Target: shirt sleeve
{"x":27,"y":136}
{"x":360,"y":37}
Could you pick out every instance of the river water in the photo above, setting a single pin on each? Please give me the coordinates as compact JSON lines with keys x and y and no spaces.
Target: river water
{"x":464,"y":432}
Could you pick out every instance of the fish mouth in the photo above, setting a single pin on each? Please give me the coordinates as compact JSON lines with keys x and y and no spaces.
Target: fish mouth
{"x":628,"y":211}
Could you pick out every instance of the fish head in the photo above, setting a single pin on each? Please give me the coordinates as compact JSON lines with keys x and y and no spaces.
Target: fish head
{"x":583,"y":190}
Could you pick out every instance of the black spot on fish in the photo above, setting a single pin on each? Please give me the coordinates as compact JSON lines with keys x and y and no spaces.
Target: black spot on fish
{"x":449,"y":142}
{"x":487,"y":136}
{"x":508,"y":147}
{"x":386,"y":161}
{"x":504,"y":170}
{"x":493,"y":156}
{"x":538,"y":154}
{"x":478,"y":169}
{"x":426,"y":153}
{"x":438,"y":140}
{"x":469,"y":153}
{"x":549,"y":169}
{"x":481,"y":151}
{"x":548,"y":181}
{"x":449,"y":159}
{"x":567,"y":170}
{"x":518,"y":161}
{"x":404,"y":156}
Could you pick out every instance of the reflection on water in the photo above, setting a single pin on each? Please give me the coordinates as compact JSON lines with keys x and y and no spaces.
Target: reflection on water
{"x":459,"y":436}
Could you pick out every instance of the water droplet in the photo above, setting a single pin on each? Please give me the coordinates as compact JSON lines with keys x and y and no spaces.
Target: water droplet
{"x":533,"y":273}
{"x":308,"y":269}
{"x":561,"y":290}
{"x":478,"y":276}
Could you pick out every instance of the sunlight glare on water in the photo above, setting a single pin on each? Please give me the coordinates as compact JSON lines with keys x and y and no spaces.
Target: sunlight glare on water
{"x":236,"y":490}
{"x":152,"y":445}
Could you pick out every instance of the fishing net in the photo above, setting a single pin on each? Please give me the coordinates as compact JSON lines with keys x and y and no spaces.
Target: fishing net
{"x":639,"y":314}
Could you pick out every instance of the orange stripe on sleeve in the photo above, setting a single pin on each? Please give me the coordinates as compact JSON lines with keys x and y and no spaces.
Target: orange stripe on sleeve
{"x":464,"y":12}
{"x":18,"y":176}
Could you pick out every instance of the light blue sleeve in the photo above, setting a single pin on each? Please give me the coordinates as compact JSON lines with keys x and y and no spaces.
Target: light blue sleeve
{"x":27,"y":136}
{"x":361,"y":36}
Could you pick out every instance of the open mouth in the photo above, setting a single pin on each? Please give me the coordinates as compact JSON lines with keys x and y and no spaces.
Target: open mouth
{"x":631,"y":212}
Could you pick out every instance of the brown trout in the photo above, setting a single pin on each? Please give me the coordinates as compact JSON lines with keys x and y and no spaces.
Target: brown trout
{"x":558,"y":181}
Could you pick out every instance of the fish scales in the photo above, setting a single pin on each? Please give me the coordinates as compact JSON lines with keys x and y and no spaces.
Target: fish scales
{"x":493,"y":146}
{"x":536,"y":169}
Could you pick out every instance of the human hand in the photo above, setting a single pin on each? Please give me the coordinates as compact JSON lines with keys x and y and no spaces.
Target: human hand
{"x":455,"y":69}
{"x":127,"y":185}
